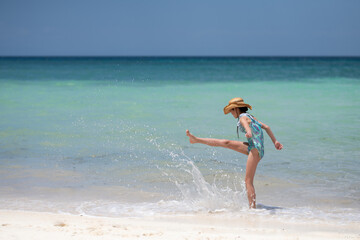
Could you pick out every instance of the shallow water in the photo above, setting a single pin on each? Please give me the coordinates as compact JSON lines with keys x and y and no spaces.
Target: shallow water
{"x":105,"y":136}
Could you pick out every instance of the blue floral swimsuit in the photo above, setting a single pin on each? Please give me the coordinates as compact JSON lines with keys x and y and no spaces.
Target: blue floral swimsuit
{"x":257,"y":139}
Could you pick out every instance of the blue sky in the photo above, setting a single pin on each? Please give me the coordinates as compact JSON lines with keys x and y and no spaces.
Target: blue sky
{"x":180,"y":28}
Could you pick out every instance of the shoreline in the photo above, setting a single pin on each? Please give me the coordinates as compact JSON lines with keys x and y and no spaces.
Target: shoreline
{"x":16,"y":224}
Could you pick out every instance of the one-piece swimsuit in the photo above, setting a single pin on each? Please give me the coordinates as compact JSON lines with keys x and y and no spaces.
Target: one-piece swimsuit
{"x":257,"y":139}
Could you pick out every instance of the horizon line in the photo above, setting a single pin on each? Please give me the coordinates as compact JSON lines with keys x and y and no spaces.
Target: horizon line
{"x":181,"y":56}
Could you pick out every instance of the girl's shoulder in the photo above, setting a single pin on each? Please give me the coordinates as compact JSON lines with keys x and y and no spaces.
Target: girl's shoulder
{"x":251,"y":117}
{"x":246,"y":115}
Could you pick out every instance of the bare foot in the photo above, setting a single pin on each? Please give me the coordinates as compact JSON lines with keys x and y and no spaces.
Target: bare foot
{"x":192,"y":138}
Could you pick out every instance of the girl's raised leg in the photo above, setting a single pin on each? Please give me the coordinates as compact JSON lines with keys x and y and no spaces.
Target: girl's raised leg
{"x":234,"y":145}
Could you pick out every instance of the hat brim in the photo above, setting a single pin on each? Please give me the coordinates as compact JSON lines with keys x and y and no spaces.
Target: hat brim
{"x":228,"y":108}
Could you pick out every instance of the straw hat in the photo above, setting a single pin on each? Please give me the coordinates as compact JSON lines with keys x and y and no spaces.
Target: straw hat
{"x":234,"y":103}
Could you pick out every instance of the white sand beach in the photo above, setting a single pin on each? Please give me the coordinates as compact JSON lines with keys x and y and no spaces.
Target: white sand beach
{"x":41,"y":225}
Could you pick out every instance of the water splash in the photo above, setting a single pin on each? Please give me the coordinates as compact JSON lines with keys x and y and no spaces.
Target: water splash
{"x":226,"y":193}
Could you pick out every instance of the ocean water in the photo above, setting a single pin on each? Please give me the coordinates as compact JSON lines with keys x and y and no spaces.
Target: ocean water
{"x":106,"y":136}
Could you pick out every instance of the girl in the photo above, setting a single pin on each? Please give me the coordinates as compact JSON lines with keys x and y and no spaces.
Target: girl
{"x":254,"y":148}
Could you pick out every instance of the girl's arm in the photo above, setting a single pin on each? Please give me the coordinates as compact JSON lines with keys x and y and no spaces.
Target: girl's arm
{"x":245,"y":121}
{"x":278,"y":145}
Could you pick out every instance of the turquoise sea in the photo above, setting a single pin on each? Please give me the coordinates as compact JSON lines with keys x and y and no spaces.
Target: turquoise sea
{"x":106,"y":136}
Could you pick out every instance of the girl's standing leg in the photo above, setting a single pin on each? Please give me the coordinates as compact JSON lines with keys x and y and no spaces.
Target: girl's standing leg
{"x":252,"y":162}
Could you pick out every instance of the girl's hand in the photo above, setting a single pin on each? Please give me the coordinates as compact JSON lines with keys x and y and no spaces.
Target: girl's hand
{"x":278,"y":145}
{"x":248,"y":135}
